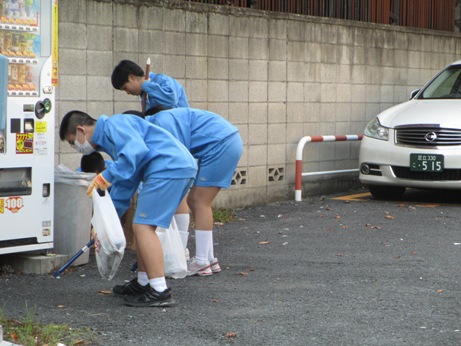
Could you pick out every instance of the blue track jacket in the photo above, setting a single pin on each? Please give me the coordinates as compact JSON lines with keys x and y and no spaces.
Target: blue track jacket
{"x":199,"y":130}
{"x":164,"y":90}
{"x":139,"y":149}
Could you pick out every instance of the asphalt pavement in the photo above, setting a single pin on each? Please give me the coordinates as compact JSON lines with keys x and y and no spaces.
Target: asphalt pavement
{"x":324,"y":271}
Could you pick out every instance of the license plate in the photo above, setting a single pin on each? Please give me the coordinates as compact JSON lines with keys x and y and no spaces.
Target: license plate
{"x":426,"y":163}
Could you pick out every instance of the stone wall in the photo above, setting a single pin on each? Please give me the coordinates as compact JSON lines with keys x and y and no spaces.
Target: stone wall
{"x":278,"y":77}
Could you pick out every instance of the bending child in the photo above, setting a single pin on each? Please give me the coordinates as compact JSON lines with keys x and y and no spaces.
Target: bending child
{"x":217,"y":146}
{"x":140,"y":152}
{"x":160,"y":89}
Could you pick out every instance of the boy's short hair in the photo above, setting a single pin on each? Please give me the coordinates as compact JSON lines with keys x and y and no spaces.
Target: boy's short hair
{"x":73,"y":119}
{"x":123,"y":70}
{"x":156,"y":109}
{"x":137,"y":113}
{"x":92,"y":163}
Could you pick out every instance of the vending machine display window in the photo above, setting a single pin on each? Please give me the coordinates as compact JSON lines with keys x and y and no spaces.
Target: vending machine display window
{"x":15,"y":181}
{"x":20,"y":42}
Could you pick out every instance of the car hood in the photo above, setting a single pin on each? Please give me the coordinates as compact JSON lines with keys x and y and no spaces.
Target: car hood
{"x":446,"y":113}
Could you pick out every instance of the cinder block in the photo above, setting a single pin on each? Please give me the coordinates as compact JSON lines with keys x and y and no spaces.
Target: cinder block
{"x":34,"y":264}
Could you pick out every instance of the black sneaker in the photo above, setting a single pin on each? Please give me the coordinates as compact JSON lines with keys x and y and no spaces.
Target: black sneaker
{"x":129,"y":289}
{"x":151,"y":297}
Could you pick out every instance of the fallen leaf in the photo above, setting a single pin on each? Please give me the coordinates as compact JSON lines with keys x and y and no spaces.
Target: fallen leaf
{"x":264,"y":242}
{"x":230,"y":335}
{"x":343,"y":226}
{"x":104,"y":292}
{"x":440,"y":291}
{"x":390,"y":217}
{"x":243,"y":273}
{"x":372,"y":226}
{"x":413,"y":252}
{"x":427,"y":205}
{"x":337,"y":217}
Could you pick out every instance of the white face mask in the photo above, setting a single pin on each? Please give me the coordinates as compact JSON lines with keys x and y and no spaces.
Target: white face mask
{"x":84,"y":148}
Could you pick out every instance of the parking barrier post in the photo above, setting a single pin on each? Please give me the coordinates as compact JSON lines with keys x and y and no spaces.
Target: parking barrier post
{"x":299,"y":159}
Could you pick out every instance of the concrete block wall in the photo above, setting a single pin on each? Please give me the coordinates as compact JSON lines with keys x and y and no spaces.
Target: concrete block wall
{"x":278,"y":77}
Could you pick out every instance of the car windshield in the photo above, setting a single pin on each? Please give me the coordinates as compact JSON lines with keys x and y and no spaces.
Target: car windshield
{"x":447,"y":85}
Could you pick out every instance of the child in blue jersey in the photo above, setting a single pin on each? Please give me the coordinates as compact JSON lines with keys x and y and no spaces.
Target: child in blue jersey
{"x":93,"y":163}
{"x":217,"y":146}
{"x":160,"y":89}
{"x":140,"y":152}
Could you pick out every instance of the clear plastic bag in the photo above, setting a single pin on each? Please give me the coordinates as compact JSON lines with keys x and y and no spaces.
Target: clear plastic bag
{"x":174,"y":255}
{"x":108,"y":233}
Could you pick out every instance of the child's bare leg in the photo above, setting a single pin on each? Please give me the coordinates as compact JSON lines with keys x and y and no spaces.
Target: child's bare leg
{"x":200,"y":199}
{"x":183,"y":207}
{"x":150,"y":254}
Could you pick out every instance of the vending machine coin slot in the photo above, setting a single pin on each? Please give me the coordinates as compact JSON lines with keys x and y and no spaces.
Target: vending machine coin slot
{"x":40,"y":110}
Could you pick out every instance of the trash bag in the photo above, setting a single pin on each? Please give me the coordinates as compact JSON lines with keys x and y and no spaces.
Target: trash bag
{"x":109,"y":238}
{"x":174,"y":256}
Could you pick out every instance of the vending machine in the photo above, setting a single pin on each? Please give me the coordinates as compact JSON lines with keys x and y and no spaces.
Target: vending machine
{"x":28,"y":76}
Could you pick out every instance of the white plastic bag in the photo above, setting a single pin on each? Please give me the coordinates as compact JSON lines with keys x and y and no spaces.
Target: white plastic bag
{"x":174,"y":256}
{"x":108,"y":233}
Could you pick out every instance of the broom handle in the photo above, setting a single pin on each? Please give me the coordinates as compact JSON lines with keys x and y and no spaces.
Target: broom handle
{"x":58,"y":273}
{"x":144,"y":96}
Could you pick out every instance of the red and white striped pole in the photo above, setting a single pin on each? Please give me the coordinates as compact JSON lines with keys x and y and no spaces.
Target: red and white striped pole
{"x":299,"y":157}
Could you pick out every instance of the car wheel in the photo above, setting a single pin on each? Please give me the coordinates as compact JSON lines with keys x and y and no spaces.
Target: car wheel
{"x":386,"y":192}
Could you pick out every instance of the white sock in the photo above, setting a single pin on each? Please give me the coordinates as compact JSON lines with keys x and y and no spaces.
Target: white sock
{"x":143,"y":280}
{"x":202,"y":243}
{"x":182,"y":221}
{"x":211,"y":248}
{"x":158,"y":284}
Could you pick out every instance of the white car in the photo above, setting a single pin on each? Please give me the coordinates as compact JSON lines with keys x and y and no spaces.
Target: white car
{"x":416,"y":144}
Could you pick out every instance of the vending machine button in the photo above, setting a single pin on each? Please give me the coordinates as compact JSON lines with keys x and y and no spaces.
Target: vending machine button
{"x":48,"y":89}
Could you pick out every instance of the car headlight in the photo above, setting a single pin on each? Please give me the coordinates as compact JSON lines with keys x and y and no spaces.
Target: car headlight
{"x":375,"y":130}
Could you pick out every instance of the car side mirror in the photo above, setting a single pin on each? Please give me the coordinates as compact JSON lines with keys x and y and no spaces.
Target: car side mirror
{"x":413,"y":93}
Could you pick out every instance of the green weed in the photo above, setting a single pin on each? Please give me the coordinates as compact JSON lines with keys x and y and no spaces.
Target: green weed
{"x":220,"y":216}
{"x":29,"y":332}
{"x":223,"y":215}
